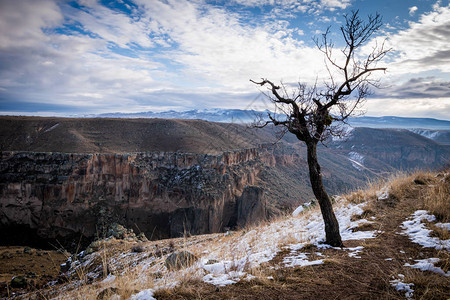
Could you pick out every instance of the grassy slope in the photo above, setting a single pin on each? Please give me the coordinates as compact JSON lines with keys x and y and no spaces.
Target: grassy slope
{"x":340,"y":276}
{"x":96,"y":135}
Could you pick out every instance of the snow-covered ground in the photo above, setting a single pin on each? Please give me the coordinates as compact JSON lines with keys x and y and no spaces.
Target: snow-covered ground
{"x":357,"y":160}
{"x":233,"y":256}
{"x":431,"y":134}
{"x":399,"y":285}
{"x":416,"y":230}
{"x":228,"y":258}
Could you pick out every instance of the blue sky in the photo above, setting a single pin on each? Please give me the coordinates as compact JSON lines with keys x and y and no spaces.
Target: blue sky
{"x":86,"y":57}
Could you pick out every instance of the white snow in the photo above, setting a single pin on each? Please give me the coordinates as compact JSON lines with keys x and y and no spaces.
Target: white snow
{"x":354,"y":251}
{"x":297,"y":211}
{"x":431,"y":134}
{"x":300,"y":259}
{"x":399,"y":285}
{"x":419,"y":234}
{"x":236,"y":253}
{"x":383,"y":194}
{"x":300,"y":209}
{"x":144,"y":295}
{"x":53,"y":127}
{"x":346,"y":136}
{"x":428,"y":265}
{"x":109,"y":279}
{"x":443,"y":225}
{"x":357,"y":160}
{"x":257,"y":246}
{"x":224,"y":273}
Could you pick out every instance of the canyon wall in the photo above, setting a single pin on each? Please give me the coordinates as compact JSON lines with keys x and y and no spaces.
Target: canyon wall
{"x":61,"y":196}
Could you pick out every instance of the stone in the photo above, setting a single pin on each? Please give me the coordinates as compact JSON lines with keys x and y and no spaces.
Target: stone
{"x":65,"y":266}
{"x":141,"y":237}
{"x":138,"y":249}
{"x":180,"y":260}
{"x":19,"y":282}
{"x":108,"y":293}
{"x":251,"y":207}
{"x":212,"y":262}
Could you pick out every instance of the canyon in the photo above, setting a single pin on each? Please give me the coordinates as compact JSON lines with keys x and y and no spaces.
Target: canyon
{"x":227,"y":176}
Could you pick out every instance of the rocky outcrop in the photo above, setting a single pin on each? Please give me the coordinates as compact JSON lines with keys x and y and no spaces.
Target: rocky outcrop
{"x":59,"y":196}
{"x":251,"y":206}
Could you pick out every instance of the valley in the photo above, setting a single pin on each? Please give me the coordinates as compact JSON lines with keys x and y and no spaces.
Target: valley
{"x":67,"y":179}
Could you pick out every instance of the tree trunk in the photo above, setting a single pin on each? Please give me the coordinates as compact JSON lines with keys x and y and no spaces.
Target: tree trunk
{"x":332,"y":234}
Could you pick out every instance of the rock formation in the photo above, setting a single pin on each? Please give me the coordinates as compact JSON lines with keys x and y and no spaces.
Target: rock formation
{"x":60,"y":196}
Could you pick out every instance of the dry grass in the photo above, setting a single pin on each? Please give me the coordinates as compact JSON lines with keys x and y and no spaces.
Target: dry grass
{"x":367,"y":277}
{"x":437,"y":197}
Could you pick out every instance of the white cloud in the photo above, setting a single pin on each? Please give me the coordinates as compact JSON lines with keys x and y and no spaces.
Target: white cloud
{"x":422,"y":107}
{"x":190,"y":53}
{"x":298,"y":5}
{"x":412,"y":10}
{"x":21,"y":22}
{"x":424,"y":45}
{"x":113,"y":26}
{"x":215,"y":45}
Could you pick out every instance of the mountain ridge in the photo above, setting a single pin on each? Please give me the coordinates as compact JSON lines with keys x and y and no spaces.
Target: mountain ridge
{"x":248,"y":116}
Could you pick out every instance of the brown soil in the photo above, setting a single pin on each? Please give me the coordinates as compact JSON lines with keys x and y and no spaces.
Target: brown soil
{"x":39,"y":267}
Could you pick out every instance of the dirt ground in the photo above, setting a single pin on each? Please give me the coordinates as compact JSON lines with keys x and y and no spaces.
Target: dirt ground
{"x":39,"y":267}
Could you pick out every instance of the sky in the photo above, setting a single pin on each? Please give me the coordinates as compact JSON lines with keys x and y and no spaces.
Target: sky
{"x":65,"y":58}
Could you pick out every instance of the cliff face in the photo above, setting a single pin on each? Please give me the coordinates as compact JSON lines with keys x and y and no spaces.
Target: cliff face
{"x":161,"y":194}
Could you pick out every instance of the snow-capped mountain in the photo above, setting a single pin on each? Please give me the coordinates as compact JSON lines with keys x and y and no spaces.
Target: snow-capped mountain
{"x":248,"y":116}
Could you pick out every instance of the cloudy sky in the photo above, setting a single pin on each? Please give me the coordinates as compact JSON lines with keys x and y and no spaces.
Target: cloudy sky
{"x":87,"y":56}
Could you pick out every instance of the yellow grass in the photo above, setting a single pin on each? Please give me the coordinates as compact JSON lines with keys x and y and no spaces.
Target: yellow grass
{"x":424,"y":190}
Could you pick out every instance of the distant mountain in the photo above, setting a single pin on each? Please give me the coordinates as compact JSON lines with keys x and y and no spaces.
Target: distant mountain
{"x":440,"y":136}
{"x":240,"y":116}
{"x":399,"y":122}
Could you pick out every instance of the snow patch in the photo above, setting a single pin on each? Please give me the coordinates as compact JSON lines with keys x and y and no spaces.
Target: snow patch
{"x":400,"y":286}
{"x":354,"y":251}
{"x":260,"y":245}
{"x":300,"y":259}
{"x":430,"y":134}
{"x":357,"y":160}
{"x":443,"y":225}
{"x":383,"y":194}
{"x":419,"y":234}
{"x":428,"y":265}
{"x":347,"y":135}
{"x":224,"y":273}
{"x":298,"y":210}
{"x":51,"y":128}
{"x":144,"y":295}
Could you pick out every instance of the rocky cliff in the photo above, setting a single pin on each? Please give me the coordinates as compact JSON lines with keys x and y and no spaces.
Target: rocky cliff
{"x":59,"y":196}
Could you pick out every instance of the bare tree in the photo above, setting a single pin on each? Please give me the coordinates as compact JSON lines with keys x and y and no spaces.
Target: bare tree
{"x":313,"y":114}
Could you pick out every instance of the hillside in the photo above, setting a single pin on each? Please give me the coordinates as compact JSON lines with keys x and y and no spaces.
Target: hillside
{"x":399,"y":148}
{"x":121,"y":135}
{"x":396,"y":247}
{"x":98,"y":135}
